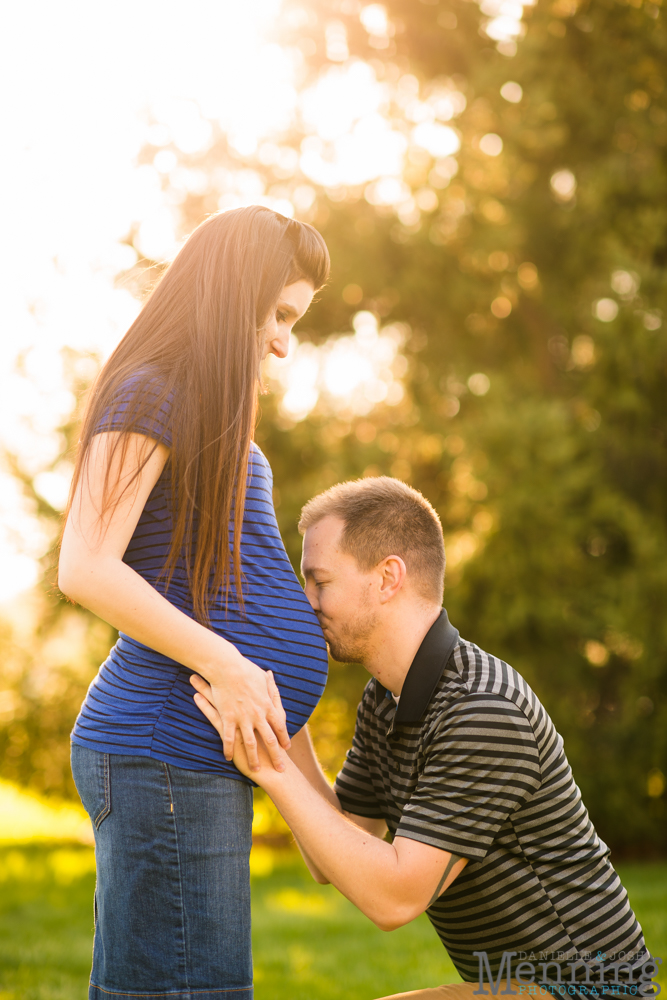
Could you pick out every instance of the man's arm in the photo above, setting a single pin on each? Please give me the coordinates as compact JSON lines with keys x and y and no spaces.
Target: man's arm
{"x":391,"y":883}
{"x":302,"y":753}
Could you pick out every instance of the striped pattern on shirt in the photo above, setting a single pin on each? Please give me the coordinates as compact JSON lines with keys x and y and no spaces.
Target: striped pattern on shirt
{"x":480,"y":771}
{"x":141,"y":702}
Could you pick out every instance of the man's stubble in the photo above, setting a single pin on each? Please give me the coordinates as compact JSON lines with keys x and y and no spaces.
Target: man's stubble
{"x":350,"y":641}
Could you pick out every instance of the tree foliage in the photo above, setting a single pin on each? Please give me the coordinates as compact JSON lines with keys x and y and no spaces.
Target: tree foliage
{"x":49,"y":649}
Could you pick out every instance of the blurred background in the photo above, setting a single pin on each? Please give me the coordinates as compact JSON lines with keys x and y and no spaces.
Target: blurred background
{"x":492,"y":182}
{"x":491,"y":178}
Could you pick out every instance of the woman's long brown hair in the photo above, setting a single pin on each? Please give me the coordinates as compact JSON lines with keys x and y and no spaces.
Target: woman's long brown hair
{"x":197,"y":346}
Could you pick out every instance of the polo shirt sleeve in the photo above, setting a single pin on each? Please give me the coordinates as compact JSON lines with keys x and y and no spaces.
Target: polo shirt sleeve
{"x":139,"y":398}
{"x":354,"y":784}
{"x":480,"y":764}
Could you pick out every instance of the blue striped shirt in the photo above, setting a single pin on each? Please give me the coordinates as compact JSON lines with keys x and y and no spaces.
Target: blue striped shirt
{"x":141,"y":701}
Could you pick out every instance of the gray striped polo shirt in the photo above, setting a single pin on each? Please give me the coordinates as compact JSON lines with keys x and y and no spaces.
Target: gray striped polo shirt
{"x":470,"y":762}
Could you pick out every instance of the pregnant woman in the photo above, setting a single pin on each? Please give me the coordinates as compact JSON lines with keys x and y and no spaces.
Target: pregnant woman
{"x":171,"y":537}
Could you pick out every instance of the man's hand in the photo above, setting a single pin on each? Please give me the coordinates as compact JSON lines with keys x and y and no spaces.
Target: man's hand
{"x":256,"y":753}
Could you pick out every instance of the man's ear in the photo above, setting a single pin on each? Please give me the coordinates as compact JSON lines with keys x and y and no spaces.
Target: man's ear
{"x":393,"y":572}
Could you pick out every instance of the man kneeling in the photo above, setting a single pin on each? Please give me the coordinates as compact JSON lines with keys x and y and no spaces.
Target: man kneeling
{"x":454,"y":754}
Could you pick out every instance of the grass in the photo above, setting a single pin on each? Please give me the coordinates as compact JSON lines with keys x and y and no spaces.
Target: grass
{"x":46,"y":921}
{"x":309,"y":942}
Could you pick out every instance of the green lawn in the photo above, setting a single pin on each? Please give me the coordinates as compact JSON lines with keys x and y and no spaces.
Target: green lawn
{"x":310,"y":944}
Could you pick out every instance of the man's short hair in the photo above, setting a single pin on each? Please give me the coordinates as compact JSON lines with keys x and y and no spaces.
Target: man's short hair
{"x":384,"y":517}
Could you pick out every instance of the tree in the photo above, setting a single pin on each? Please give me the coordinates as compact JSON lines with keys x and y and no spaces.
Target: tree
{"x":537,"y":269}
{"x":50,"y":650}
{"x":527,"y":273}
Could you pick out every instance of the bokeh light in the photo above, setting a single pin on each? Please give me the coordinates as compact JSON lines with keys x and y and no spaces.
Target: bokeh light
{"x":512,"y":92}
{"x":348,"y":375}
{"x":563,"y":184}
{"x":72,"y":192}
{"x":605,"y":310}
{"x":74,"y":189}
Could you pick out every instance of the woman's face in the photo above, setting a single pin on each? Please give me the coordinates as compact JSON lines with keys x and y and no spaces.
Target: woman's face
{"x":292,"y":304}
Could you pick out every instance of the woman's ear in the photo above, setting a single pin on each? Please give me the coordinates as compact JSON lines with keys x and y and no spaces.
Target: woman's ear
{"x":393,"y":572}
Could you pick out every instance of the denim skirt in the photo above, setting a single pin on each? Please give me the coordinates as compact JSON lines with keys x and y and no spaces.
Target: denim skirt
{"x":172,"y":901}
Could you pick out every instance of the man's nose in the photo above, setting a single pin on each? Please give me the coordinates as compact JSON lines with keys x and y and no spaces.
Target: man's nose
{"x":311,"y":594}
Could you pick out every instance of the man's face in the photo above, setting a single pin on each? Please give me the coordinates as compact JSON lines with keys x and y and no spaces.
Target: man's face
{"x":343,"y":596}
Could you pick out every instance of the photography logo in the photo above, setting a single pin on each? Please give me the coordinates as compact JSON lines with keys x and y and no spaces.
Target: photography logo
{"x":589,"y":975}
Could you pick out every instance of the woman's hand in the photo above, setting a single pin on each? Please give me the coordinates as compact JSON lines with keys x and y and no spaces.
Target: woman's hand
{"x":244,"y":706}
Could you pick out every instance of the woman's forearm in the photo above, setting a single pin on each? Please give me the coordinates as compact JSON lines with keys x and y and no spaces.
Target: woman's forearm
{"x":91,"y":570}
{"x":116,"y":593}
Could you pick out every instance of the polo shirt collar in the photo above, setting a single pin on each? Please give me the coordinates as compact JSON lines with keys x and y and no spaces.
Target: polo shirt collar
{"x":425,"y":671}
